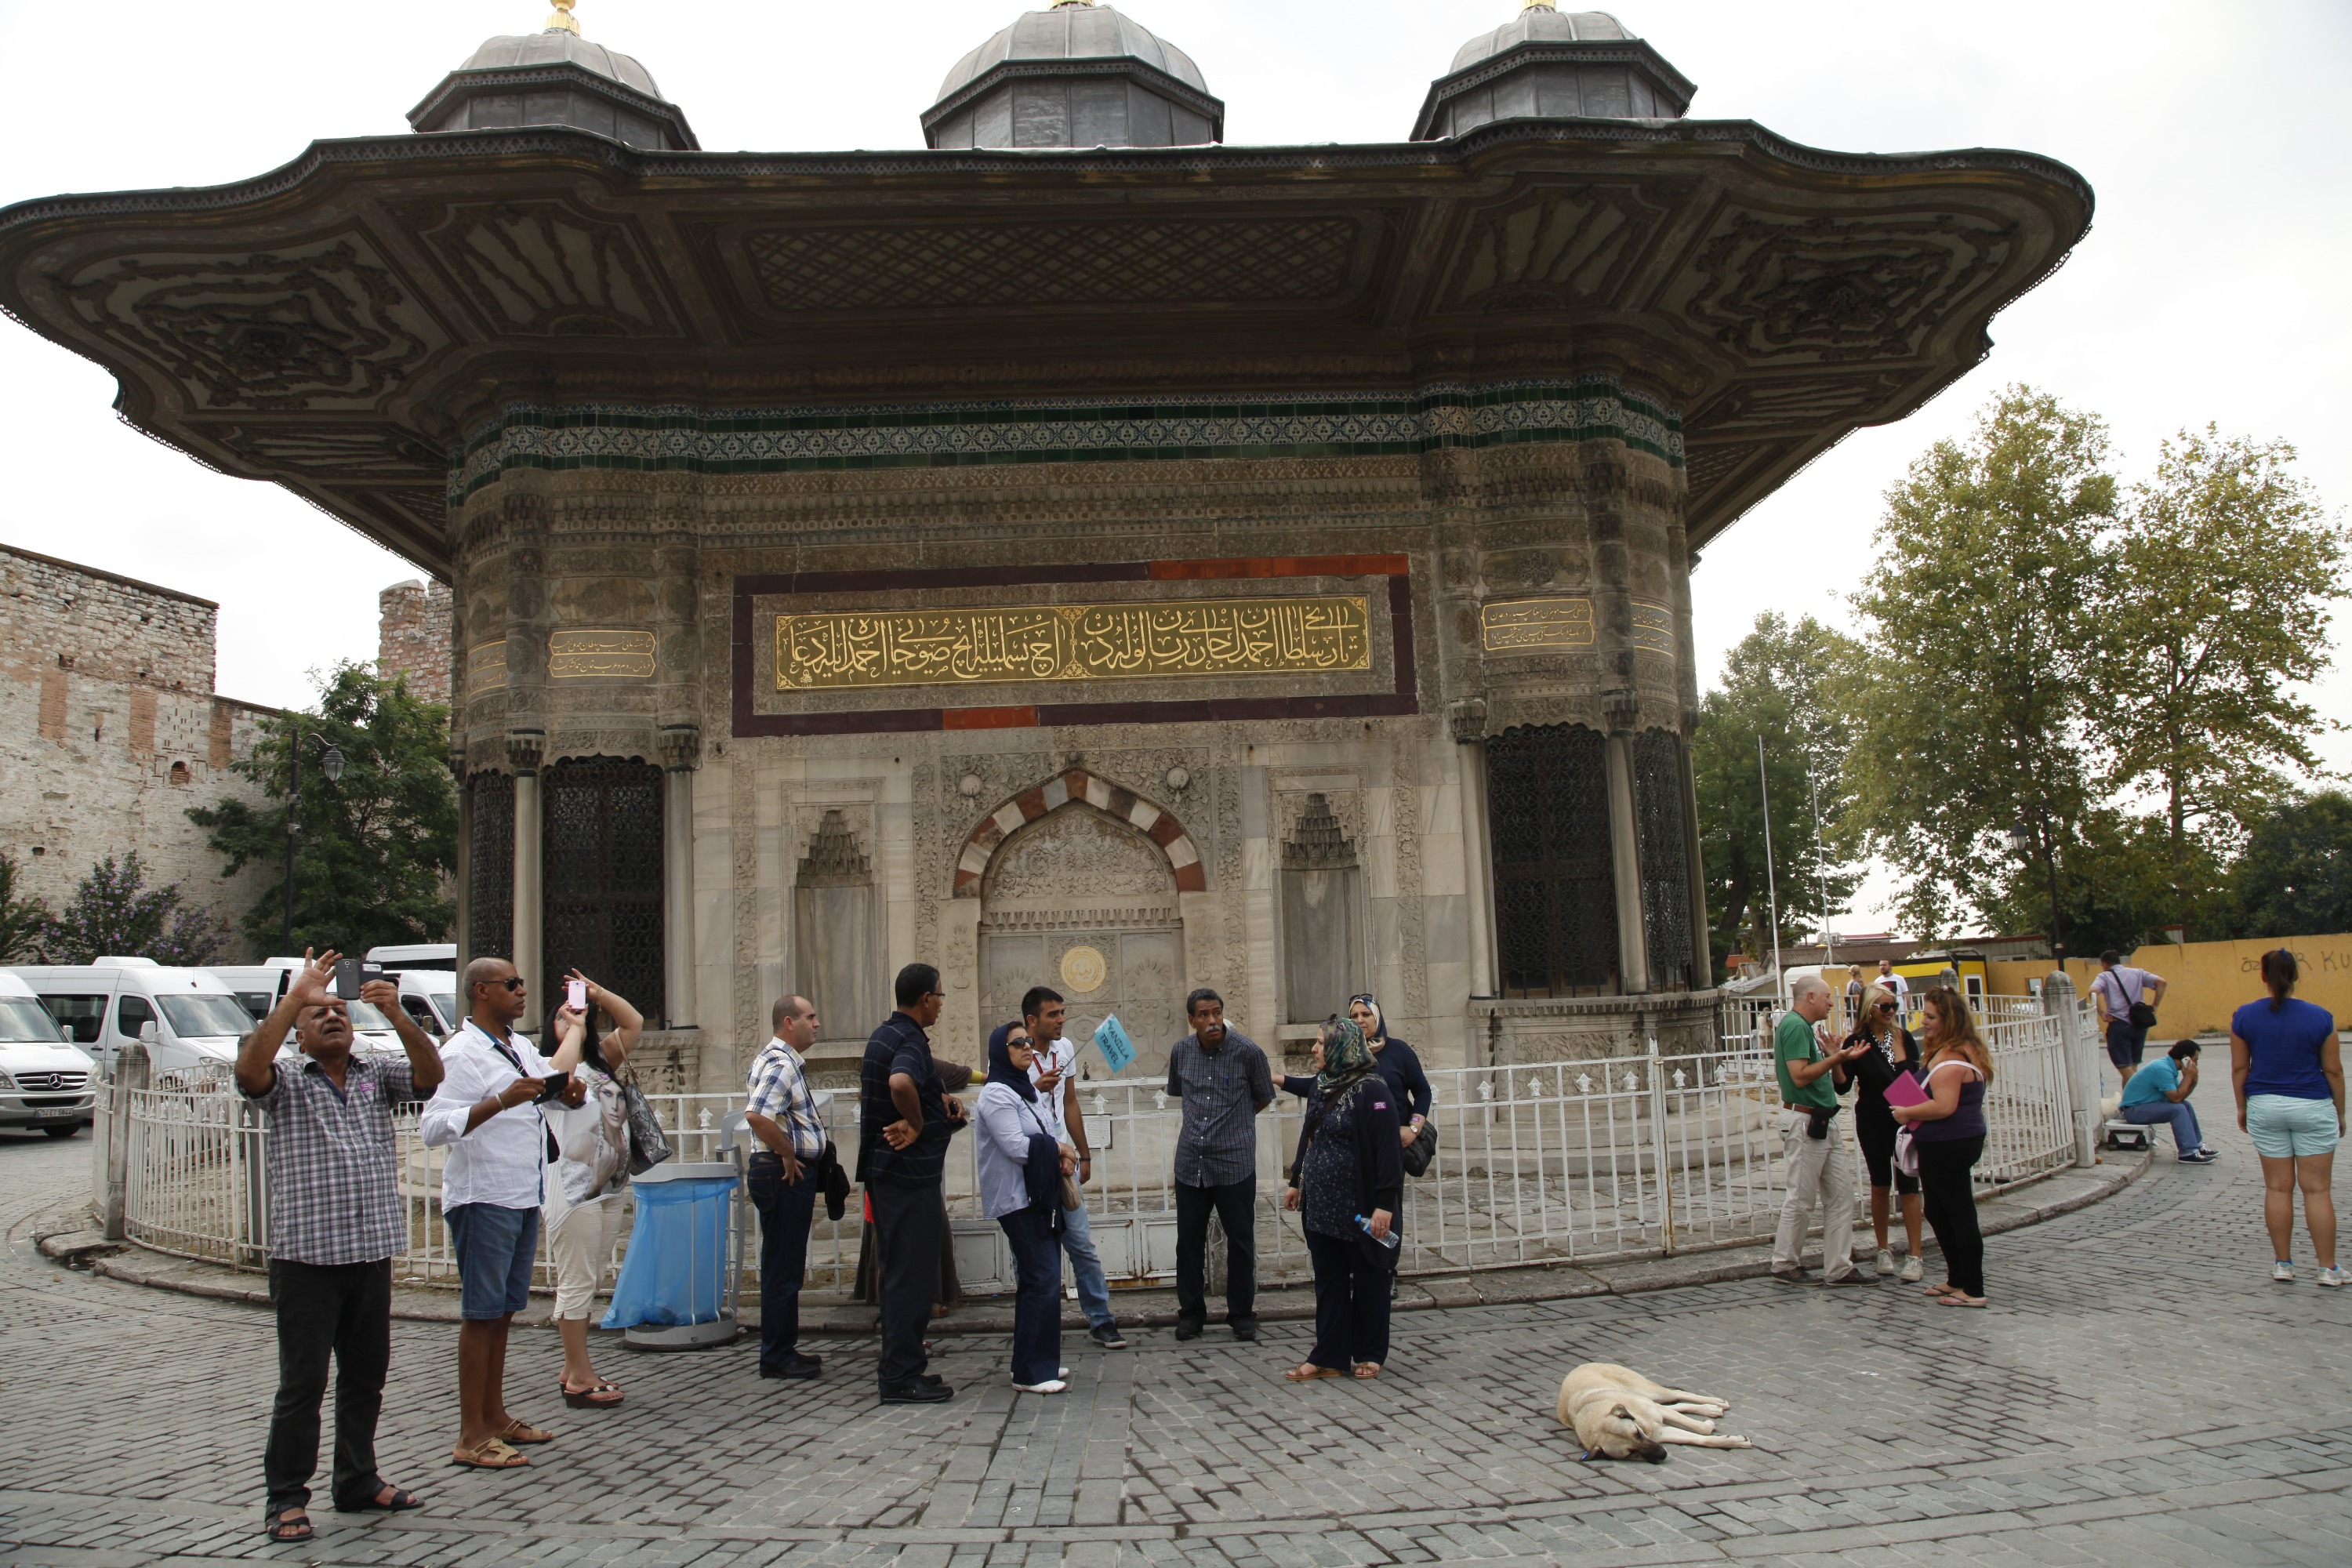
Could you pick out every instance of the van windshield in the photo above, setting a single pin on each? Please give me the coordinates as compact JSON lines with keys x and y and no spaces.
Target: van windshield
{"x":195,"y":1016}
{"x":367,"y":1015}
{"x":24,"y":1021}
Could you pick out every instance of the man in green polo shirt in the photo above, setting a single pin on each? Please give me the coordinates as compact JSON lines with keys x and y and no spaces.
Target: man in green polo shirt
{"x":1818,"y":1170}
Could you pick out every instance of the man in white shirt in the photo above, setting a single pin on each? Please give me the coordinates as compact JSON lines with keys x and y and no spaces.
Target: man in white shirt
{"x":1896,"y":983}
{"x":1056,"y":1073}
{"x":486,"y":1113}
{"x":2118,"y":986}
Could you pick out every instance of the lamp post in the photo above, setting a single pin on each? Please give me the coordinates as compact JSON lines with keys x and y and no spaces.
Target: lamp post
{"x":331,"y":762}
{"x":2021,"y":842}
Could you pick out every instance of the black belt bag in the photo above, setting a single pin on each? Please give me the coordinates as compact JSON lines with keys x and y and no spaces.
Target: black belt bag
{"x":1817,"y":1121}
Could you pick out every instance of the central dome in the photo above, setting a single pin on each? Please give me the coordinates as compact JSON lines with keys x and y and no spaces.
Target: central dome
{"x":1550,"y":64}
{"x":556,"y":78}
{"x":1075,"y":74}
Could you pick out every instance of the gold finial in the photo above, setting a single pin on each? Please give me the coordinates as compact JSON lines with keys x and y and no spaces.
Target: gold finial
{"x":560,"y":19}
{"x":1538,"y":5}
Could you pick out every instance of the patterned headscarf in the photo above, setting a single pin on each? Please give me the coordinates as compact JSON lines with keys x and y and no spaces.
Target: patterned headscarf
{"x":1345,"y":1058}
{"x":1380,"y":1019}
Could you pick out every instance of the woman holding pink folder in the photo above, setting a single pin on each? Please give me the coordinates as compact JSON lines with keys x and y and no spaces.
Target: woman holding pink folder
{"x":1947,"y":1133}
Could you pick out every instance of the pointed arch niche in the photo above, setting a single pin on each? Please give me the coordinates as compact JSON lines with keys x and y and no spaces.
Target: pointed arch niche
{"x":837,"y":944}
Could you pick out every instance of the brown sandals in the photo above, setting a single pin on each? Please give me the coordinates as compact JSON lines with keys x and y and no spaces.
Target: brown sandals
{"x":592,"y":1397}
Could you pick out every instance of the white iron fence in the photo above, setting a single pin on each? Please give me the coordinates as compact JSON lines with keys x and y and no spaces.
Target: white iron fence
{"x":1538,"y":1163}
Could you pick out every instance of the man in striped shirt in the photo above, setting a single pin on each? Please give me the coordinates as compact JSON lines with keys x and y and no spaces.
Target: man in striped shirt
{"x":783,"y":1180}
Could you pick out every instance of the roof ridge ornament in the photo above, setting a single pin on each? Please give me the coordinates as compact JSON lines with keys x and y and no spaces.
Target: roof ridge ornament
{"x":561,"y":20}
{"x":1538,"y":5}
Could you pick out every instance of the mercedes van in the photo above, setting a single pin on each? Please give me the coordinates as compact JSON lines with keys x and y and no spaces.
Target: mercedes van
{"x":101,"y":1005}
{"x":45,"y":1081}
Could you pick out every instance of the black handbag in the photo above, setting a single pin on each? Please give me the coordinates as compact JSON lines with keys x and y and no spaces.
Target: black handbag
{"x":1421,"y":1152}
{"x":2141,"y":1015}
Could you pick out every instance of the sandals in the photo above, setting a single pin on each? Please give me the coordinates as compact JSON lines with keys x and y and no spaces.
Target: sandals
{"x":1307,"y":1372}
{"x":401,"y":1501}
{"x":521,"y":1431}
{"x":1366,"y":1371}
{"x":282,"y":1527}
{"x":589,"y":1398}
{"x":489,"y":1453}
{"x":1961,"y":1299}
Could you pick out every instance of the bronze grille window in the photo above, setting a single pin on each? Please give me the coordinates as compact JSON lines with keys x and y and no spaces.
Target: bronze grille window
{"x":1665,"y":857}
{"x":603,"y":879}
{"x":1555,"y":897}
{"x":490,"y":868}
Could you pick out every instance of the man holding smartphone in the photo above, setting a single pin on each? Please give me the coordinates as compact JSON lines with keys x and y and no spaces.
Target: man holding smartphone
{"x":487,"y":1115}
{"x":336,"y":1220}
{"x":1056,"y":1073}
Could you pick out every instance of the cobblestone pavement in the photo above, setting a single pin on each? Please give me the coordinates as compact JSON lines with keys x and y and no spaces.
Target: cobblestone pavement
{"x":2140,"y":1391}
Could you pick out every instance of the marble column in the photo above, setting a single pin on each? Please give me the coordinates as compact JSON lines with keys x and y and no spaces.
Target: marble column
{"x":1468,"y":720}
{"x":524,"y":750}
{"x":682,"y":749}
{"x":1702,"y":947}
{"x":465,"y":875}
{"x":1622,"y":710}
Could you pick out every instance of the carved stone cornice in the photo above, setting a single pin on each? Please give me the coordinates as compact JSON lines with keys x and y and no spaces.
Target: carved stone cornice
{"x":1466,"y":717}
{"x":1620,"y":710}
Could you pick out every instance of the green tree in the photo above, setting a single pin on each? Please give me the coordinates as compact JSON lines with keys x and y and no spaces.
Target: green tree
{"x":371,"y":848}
{"x":2296,"y":875}
{"x":2215,"y":606}
{"x":1777,"y":687}
{"x":114,"y":914}
{"x":1981,"y":632}
{"x":22,"y":921}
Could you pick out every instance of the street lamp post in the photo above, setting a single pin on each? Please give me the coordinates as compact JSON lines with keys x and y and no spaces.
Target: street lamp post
{"x":331,"y":762}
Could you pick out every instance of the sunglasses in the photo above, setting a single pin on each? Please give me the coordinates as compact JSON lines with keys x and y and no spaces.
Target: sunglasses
{"x":512,"y":983}
{"x":1886,"y":1006}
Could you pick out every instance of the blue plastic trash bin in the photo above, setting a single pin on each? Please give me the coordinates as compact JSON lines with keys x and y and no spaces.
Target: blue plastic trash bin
{"x":673,"y":1293}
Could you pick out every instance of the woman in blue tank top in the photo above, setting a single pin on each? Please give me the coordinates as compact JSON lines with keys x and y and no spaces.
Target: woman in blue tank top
{"x":1947,"y":1134}
{"x":2287,"y":1065}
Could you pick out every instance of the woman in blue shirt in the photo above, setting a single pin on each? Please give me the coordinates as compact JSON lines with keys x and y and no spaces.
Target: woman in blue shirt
{"x":1021,"y":1169}
{"x":2288,"y":1068}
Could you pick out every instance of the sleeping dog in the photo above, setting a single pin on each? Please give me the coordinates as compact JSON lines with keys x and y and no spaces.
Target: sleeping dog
{"x":1618,"y":1414}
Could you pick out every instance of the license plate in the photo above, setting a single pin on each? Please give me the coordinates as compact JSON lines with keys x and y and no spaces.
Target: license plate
{"x":58,"y":1113}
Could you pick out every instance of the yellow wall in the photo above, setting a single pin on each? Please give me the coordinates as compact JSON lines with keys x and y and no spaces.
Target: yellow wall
{"x":2210,"y":980}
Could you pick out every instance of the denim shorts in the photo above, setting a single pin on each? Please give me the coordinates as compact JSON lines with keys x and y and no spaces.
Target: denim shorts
{"x":495,"y":1248}
{"x":2282,"y":1127}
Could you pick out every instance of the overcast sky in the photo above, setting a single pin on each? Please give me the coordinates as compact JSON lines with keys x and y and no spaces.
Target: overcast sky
{"x":2210,"y":287}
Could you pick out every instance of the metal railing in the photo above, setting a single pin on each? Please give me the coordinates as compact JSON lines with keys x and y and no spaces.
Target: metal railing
{"x":1539,"y":1162}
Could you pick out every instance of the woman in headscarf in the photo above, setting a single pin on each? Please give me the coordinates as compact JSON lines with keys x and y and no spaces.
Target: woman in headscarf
{"x":1021,"y":1171}
{"x":1344,"y":1185}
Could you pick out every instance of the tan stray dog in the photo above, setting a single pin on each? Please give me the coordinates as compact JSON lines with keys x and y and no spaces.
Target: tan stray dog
{"x":1618,"y":1414}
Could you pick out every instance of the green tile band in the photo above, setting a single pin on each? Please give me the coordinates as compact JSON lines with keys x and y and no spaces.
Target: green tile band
{"x":678,"y":438}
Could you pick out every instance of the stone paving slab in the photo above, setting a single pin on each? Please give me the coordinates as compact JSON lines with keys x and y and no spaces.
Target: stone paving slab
{"x":2140,"y":1393}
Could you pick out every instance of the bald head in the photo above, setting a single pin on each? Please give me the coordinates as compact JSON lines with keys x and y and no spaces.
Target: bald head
{"x":1808,"y":996}
{"x":494,"y":995}
{"x":795,"y":1021}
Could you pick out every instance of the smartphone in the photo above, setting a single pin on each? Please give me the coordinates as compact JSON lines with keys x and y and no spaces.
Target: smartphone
{"x":552,"y":1087}
{"x":575,"y":995}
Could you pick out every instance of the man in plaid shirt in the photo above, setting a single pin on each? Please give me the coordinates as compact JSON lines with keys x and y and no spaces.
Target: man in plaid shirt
{"x":782,"y":1181}
{"x":336,"y":1219}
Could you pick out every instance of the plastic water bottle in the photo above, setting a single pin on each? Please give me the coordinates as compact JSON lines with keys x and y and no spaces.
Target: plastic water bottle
{"x":1364,"y":1224}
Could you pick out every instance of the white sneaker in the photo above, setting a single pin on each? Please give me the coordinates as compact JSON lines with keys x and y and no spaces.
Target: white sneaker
{"x":2332,"y":1278}
{"x":1911,"y":1270}
{"x":2283,"y":1271}
{"x":1886,"y":1261}
{"x":1054,"y":1385}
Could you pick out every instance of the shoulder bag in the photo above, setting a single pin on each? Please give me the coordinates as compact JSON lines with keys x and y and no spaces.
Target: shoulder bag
{"x":648,"y":1146}
{"x":1421,"y":1152}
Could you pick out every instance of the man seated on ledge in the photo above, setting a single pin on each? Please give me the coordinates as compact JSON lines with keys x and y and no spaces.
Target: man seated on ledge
{"x":2159,"y":1092}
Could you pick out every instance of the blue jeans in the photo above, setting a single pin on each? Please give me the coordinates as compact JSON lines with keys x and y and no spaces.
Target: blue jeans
{"x":1037,"y":1303}
{"x":495,"y":1247}
{"x":1094,"y":1287}
{"x":2186,"y":1137}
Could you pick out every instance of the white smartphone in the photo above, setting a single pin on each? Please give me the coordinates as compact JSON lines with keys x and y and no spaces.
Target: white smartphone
{"x":576,"y":993}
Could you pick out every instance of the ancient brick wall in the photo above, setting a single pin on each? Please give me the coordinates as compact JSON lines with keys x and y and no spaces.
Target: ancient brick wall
{"x":109,"y":730}
{"x":413,"y":636}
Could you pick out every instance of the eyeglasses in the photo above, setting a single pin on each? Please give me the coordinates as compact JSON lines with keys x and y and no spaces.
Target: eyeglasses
{"x":1886,"y":1006}
{"x":1012,"y":1040}
{"x":512,"y":983}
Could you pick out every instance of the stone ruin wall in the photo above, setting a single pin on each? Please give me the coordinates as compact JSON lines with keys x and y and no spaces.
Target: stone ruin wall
{"x":413,"y":636}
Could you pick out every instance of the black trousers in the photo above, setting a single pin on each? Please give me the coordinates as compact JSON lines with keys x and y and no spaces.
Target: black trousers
{"x":786,"y":1209}
{"x":340,"y":1309}
{"x":908,"y":1223}
{"x":1351,"y":1304}
{"x":1037,"y":1303}
{"x":1235,"y":1206}
{"x":1948,"y":1199}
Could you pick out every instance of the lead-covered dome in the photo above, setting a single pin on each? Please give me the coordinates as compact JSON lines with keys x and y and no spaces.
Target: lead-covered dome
{"x":1075,"y":74}
{"x":556,"y":78}
{"x":1552,"y":64}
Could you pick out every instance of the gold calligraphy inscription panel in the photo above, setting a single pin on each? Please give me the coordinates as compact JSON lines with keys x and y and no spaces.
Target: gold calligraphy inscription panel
{"x":486,"y":666}
{"x":850,"y":651}
{"x":1653,"y":628}
{"x":1519,"y":623}
{"x":600,"y":656}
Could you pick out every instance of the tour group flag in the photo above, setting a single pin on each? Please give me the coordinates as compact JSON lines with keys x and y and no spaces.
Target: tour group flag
{"x":1111,"y":1039}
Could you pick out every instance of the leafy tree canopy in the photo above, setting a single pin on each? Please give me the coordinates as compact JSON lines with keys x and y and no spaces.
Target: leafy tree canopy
{"x":113,"y":913}
{"x":2296,"y":875}
{"x":22,"y":921}
{"x":371,"y":848}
